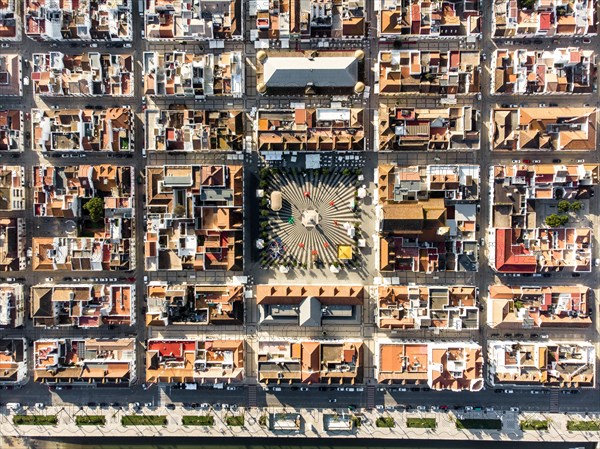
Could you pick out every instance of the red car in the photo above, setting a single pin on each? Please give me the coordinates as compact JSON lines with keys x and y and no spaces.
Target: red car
{"x":526,"y":161}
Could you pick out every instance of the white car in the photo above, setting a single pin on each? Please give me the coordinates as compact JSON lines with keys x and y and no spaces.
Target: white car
{"x":26,"y":81}
{"x":39,"y":405}
{"x":49,"y":279}
{"x":597,"y":262}
{"x":276,"y":388}
{"x":514,"y":409}
{"x":231,"y":388}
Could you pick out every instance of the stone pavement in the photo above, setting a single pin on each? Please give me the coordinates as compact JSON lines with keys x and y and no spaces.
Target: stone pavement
{"x":260,"y":423}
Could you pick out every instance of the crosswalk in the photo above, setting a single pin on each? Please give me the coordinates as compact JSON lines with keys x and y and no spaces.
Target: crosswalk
{"x":554,"y":397}
{"x":370,"y":397}
{"x":251,"y":396}
{"x":163,"y":397}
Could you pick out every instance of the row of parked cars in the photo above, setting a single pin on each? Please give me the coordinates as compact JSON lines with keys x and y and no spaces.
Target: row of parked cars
{"x":438,"y":408}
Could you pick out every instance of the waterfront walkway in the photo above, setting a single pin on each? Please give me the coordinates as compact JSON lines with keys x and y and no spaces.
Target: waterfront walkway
{"x":329,"y":423}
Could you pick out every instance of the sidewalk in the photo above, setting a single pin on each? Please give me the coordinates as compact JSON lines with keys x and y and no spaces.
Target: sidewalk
{"x":261,"y":423}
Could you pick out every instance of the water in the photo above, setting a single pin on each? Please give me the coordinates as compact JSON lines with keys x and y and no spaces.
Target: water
{"x":283,"y":443}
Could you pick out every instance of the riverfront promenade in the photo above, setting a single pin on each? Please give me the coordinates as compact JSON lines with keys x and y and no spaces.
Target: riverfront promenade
{"x":312,"y":423}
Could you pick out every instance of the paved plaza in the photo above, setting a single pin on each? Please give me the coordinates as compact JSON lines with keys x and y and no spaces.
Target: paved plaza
{"x":318,"y":221}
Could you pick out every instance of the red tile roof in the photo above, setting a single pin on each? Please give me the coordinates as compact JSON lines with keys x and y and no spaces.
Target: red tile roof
{"x":545,"y":20}
{"x":512,"y":258}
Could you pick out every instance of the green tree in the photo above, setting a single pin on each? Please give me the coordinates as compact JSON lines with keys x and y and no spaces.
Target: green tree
{"x":179,"y":210}
{"x":525,"y":3}
{"x":564,"y":206}
{"x":554,"y":220}
{"x":95,"y":207}
{"x":576,"y":206}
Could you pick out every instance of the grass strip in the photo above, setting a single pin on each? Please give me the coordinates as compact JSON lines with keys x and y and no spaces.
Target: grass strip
{"x":479,"y":424}
{"x":35,"y":420}
{"x":90,"y":420}
{"x":582,"y":426}
{"x":190,"y":420}
{"x":144,"y":420}
{"x":235,"y":420}
{"x":385,"y":421}
{"x":421,"y":423}
{"x":534,"y":424}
